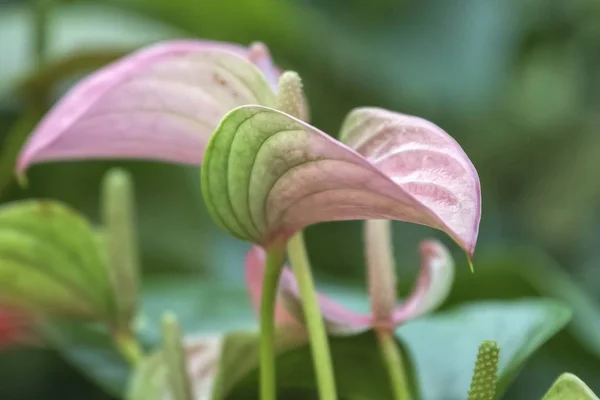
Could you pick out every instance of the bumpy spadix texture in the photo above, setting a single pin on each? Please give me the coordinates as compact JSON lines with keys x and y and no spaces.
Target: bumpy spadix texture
{"x":160,"y":103}
{"x":432,"y":287}
{"x":483,"y":383}
{"x":267,"y":175}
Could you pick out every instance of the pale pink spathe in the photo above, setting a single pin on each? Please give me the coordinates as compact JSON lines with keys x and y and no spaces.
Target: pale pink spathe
{"x":159,"y":103}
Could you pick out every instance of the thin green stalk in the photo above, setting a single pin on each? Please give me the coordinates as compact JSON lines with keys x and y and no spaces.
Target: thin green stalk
{"x":129,"y":348}
{"x":175,"y":357}
{"x":41,"y":22}
{"x":118,"y":211}
{"x":395,"y":366}
{"x":312,"y":316}
{"x":275,"y":260}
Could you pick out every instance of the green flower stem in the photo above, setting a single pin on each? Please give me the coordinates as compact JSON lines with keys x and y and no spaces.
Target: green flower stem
{"x":312,"y":316}
{"x":175,"y":357}
{"x":121,"y":243}
{"x":275,"y":260}
{"x":129,"y":347}
{"x":395,"y":366}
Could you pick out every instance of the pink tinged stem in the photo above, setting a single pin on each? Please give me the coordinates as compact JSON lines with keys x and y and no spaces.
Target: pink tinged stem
{"x":338,"y":320}
{"x":433,"y":285}
{"x":255,"y":272}
{"x":381,"y":270}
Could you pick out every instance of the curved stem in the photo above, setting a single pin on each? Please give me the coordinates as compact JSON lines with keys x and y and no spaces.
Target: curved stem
{"x":275,"y":260}
{"x":395,"y":366}
{"x":312,"y":316}
{"x":129,"y":348}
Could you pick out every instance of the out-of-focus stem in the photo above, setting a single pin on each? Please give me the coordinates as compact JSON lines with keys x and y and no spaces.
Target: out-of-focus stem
{"x":41,"y":21}
{"x":129,"y":347}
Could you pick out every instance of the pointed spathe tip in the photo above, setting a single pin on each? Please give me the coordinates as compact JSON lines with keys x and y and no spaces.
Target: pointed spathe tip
{"x":470,"y":261}
{"x":22,"y":180}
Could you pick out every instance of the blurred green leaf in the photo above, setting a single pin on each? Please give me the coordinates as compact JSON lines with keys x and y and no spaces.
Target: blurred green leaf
{"x":240,"y":356}
{"x":51,"y":262}
{"x":559,"y":205}
{"x":149,"y":380}
{"x":445,"y":345}
{"x":359,"y":371}
{"x":202,"y":355}
{"x":91,"y":349}
{"x":201,"y":306}
{"x":569,"y":387}
{"x":513,"y":271}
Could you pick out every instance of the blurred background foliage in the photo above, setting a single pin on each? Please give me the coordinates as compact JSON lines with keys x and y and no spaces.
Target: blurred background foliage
{"x":516,"y":82}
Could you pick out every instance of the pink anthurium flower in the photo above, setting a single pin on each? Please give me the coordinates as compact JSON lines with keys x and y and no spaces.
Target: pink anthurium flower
{"x":267,"y":175}
{"x":166,"y":102}
{"x":432,"y":287}
{"x":160,"y":103}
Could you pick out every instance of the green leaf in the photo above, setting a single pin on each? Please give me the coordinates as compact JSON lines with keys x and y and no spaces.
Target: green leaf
{"x":193,"y":300}
{"x":510,"y":271}
{"x":569,"y":387}
{"x":201,"y":305}
{"x":50,"y":261}
{"x":92,"y":350}
{"x":150,"y":379}
{"x":445,"y":345}
{"x":359,"y":370}
{"x":240,"y":356}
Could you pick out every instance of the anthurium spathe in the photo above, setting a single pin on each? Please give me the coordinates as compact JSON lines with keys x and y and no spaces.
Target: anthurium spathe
{"x":159,"y":103}
{"x":266,"y":172}
{"x":267,"y":175}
